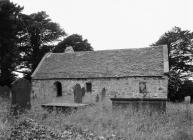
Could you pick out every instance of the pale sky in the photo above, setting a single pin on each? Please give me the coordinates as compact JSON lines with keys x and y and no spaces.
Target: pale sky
{"x":116,"y":24}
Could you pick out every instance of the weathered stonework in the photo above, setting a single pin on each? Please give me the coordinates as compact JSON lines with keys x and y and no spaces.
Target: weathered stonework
{"x":156,"y":87}
{"x":131,"y":77}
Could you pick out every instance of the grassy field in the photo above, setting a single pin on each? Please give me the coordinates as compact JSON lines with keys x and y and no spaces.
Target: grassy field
{"x":175,"y":124}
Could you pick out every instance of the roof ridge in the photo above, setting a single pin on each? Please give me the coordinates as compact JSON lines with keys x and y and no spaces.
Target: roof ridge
{"x":110,"y":50}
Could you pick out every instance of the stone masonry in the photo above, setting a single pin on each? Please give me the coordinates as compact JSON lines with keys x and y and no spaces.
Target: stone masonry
{"x":115,"y":87}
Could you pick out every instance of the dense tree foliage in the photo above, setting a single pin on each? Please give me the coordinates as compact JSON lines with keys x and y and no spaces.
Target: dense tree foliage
{"x":37,"y":34}
{"x":9,"y":14}
{"x":74,"y":40}
{"x":187,"y":89}
{"x":180,"y":47}
{"x":24,"y":40}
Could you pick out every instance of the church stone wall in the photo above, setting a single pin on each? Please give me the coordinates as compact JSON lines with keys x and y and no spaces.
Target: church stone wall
{"x":131,"y":87}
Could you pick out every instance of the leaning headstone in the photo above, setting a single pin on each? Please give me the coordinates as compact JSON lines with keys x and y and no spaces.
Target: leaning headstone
{"x":191,"y":99}
{"x":77,"y":93}
{"x":1,"y":90}
{"x":97,"y":98}
{"x":188,"y":110}
{"x":83,"y":91}
{"x":21,"y":90}
{"x":187,"y":99}
{"x":4,"y":91}
{"x":103,"y":94}
{"x":7,"y":91}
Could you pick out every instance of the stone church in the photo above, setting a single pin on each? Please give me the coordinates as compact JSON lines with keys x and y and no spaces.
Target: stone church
{"x":125,"y":73}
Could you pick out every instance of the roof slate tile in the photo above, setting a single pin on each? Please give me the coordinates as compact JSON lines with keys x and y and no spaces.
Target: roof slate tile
{"x":100,"y":64}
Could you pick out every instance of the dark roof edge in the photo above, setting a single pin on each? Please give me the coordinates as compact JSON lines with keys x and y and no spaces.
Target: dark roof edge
{"x":39,"y":65}
{"x":159,"y":76}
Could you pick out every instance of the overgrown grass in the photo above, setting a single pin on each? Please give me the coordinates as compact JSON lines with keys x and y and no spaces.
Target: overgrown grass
{"x":5,"y":120}
{"x":175,"y":124}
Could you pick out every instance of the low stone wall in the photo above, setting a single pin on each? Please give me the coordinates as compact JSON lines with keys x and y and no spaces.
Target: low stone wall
{"x":137,"y":104}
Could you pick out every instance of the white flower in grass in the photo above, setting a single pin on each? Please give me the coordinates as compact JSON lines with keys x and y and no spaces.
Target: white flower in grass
{"x":101,"y":138}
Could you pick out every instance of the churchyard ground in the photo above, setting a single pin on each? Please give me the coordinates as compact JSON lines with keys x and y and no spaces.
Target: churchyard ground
{"x":101,"y":122}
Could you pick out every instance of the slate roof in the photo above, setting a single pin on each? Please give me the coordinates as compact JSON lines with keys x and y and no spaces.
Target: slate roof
{"x":100,"y":64}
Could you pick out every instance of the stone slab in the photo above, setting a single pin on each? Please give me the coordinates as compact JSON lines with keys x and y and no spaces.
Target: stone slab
{"x":137,"y":104}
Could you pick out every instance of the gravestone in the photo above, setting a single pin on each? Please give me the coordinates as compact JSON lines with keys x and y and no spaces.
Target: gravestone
{"x":77,"y":93}
{"x":5,"y":91}
{"x":103,"y":94}
{"x":187,"y":99}
{"x":97,"y":98}
{"x":191,"y":99}
{"x":83,"y":91}
{"x":21,"y":90}
{"x":1,"y":90}
{"x":188,"y":110}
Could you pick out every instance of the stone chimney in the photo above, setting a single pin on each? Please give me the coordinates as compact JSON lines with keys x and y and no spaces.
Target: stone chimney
{"x":69,"y":50}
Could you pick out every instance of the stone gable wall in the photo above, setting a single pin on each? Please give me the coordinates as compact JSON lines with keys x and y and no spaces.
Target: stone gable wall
{"x":156,"y":87}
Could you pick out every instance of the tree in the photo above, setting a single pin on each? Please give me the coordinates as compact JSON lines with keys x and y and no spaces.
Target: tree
{"x":180,"y":50}
{"x":187,"y":89}
{"x":74,"y":40}
{"x":9,"y":13}
{"x":180,"y":47}
{"x":37,"y":35}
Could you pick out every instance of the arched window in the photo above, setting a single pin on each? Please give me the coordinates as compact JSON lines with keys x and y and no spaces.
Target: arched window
{"x":58,"y":89}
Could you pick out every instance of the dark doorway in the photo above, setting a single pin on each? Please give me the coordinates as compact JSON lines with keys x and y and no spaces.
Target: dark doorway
{"x":58,"y":89}
{"x":88,"y":87}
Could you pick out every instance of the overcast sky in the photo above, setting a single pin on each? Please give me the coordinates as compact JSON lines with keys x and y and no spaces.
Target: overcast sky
{"x":116,"y":24}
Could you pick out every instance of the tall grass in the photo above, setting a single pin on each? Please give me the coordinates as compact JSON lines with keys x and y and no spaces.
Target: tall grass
{"x":5,"y":120}
{"x":104,"y":122}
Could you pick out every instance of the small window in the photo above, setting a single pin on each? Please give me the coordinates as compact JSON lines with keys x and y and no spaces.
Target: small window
{"x":58,"y":89}
{"x":89,"y":87}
